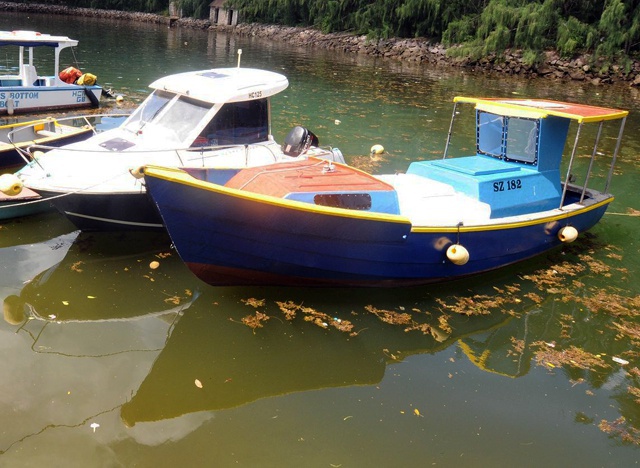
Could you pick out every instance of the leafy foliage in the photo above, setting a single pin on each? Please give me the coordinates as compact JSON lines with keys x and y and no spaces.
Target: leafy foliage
{"x":607,"y":28}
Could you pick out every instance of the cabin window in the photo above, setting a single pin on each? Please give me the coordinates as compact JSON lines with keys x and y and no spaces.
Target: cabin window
{"x":238,"y":123}
{"x":183,"y":115}
{"x":175,"y":117}
{"x":509,"y":138}
{"x":148,"y":110}
{"x":349,"y":201}
{"x":522,"y":140}
{"x":490,"y":137}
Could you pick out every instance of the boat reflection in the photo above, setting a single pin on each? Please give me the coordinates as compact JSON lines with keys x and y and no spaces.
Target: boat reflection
{"x":106,"y":276}
{"x":214,"y":362}
{"x":33,"y":229}
{"x":147,"y":356}
{"x":85,"y":332}
{"x":22,"y":261}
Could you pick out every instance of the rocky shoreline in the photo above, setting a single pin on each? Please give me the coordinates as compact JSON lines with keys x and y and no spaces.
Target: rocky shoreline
{"x":412,"y":50}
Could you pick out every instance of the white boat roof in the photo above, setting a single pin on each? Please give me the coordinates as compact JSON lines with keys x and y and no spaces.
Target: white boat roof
{"x":35,"y":39}
{"x":221,"y":85}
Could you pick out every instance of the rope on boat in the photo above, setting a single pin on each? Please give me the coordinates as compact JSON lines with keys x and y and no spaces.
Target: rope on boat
{"x":631,"y":215}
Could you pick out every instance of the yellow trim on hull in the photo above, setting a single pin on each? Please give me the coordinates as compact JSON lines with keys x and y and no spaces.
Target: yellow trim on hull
{"x":179,"y":176}
{"x":514,"y":225}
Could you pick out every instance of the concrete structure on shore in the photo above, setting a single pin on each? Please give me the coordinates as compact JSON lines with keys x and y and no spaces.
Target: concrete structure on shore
{"x":174,"y":10}
{"x":220,"y":15}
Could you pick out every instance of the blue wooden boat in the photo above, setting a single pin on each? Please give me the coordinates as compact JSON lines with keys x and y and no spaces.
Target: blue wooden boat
{"x":319,"y":223}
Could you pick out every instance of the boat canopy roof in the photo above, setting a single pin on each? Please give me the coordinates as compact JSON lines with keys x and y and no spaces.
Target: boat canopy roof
{"x":35,"y":39}
{"x":541,"y":108}
{"x":222,"y":85}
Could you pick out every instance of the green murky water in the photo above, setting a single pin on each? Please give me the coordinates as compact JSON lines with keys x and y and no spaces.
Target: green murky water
{"x":122,"y":364}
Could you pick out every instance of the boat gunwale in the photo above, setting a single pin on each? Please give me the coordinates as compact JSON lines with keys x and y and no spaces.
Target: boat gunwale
{"x":179,"y":176}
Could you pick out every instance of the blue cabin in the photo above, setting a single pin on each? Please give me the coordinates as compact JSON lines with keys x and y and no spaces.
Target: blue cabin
{"x":516,"y":168}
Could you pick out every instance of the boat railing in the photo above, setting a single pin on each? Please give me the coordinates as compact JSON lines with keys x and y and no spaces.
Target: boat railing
{"x":453,"y":118}
{"x":218,"y":150}
{"x":328,"y":153}
{"x":569,"y":177}
{"x":180,"y":153}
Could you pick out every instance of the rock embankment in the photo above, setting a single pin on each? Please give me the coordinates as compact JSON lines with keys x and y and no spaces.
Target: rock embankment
{"x":511,"y":62}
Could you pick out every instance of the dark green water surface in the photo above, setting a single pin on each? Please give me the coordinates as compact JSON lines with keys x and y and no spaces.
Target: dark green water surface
{"x":123,"y":364}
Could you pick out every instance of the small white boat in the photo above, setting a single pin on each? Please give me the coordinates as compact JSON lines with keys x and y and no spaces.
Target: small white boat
{"x":16,"y":138}
{"x":218,"y":119}
{"x":26,"y":90}
{"x":22,"y":142}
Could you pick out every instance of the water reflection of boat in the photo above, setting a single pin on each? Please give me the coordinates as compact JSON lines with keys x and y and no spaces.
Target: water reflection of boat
{"x":85,"y":331}
{"x":234,"y":366}
{"x":105,"y":276}
{"x":81,"y":370}
{"x":24,"y":259}
{"x":33,"y":229}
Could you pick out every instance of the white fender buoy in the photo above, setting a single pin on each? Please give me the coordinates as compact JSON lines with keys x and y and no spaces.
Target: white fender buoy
{"x":137,"y":172}
{"x":457,"y":254}
{"x":10,"y":184}
{"x":377,"y":149}
{"x":37,"y":155}
{"x":10,"y":106}
{"x":568,"y":234}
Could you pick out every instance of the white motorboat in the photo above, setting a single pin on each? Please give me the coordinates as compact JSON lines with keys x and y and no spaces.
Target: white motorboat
{"x":28,"y":91}
{"x":217,"y":118}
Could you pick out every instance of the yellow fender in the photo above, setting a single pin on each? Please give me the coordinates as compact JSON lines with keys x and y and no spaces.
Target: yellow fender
{"x":10,"y":184}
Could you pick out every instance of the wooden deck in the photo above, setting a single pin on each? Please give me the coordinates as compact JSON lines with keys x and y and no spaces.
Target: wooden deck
{"x":307,"y":176}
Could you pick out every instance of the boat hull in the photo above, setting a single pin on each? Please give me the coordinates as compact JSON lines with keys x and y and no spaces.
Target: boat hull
{"x":231,"y":238}
{"x":23,"y":99}
{"x":26,"y":204}
{"x":107,"y":211}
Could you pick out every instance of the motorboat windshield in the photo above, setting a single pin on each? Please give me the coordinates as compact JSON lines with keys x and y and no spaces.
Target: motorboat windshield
{"x":173,"y":116}
{"x":149,"y":109}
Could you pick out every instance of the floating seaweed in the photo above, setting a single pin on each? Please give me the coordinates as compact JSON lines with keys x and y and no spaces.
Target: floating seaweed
{"x":256,"y":320}
{"x":571,"y":356}
{"x":622,"y":429}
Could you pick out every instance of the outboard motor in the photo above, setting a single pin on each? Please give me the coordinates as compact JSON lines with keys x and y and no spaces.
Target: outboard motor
{"x":298,"y":141}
